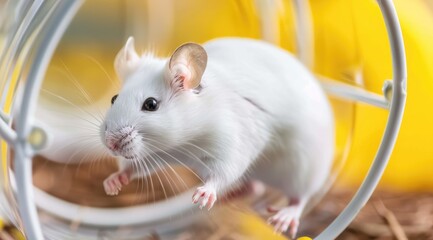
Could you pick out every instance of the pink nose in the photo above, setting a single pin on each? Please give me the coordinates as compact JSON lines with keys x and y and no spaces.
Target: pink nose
{"x":113,"y":144}
{"x":117,"y":140}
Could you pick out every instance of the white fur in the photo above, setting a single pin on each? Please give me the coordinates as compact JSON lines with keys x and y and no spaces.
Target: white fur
{"x":260,"y":114}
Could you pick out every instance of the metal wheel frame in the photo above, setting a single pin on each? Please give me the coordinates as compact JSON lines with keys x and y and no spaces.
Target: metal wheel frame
{"x":52,"y":31}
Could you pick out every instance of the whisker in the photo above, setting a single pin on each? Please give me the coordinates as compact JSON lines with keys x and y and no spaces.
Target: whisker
{"x":68,"y":121}
{"x":69,"y":102}
{"x":142,"y":168}
{"x":159,"y":179}
{"x":201,"y":149}
{"x":74,"y":81}
{"x":150,"y":178}
{"x":84,"y":94}
{"x":175,"y":173}
{"x":180,"y":162}
{"x":114,"y":83}
{"x":164,"y":171}
{"x":177,"y":150}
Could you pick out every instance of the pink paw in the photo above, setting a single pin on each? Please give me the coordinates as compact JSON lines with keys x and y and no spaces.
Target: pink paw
{"x":285,"y":219}
{"x":114,"y":183}
{"x":206,"y":195}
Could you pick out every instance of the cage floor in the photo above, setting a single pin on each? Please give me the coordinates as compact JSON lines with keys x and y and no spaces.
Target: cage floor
{"x":388,"y":215}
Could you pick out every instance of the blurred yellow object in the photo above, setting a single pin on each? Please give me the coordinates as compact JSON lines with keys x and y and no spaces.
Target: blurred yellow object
{"x":305,"y":238}
{"x":17,"y":234}
{"x":351,"y":35}
{"x":255,"y":228}
{"x":10,"y":231}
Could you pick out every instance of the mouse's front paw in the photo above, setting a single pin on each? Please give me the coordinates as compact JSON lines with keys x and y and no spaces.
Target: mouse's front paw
{"x":114,"y":183}
{"x":206,"y":195}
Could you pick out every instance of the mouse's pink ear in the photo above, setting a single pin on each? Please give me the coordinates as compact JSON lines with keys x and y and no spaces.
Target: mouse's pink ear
{"x":187,"y":64}
{"x":127,"y":60}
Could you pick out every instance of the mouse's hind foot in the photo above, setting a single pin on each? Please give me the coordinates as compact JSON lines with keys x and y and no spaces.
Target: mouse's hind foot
{"x":286,"y":219}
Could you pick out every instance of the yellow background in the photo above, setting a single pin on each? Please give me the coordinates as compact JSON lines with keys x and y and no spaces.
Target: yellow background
{"x":411,"y":163}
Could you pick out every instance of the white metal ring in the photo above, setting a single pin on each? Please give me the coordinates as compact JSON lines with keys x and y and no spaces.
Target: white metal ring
{"x":62,"y":14}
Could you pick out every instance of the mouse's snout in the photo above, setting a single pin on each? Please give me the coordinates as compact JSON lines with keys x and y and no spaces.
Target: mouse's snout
{"x":121,"y":141}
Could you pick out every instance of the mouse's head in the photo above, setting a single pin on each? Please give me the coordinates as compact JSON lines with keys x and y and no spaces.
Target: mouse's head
{"x":157,"y":103}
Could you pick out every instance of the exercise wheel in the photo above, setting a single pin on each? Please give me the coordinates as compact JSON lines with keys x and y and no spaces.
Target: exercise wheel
{"x":31,"y":33}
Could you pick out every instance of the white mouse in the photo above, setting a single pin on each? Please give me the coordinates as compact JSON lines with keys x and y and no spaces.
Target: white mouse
{"x":244,"y":108}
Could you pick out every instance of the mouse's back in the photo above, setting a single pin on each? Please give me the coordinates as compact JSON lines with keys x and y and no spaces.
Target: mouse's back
{"x":266,"y":74}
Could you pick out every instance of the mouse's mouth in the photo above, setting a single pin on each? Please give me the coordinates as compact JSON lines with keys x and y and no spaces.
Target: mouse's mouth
{"x":127,"y":153}
{"x":131,"y":157}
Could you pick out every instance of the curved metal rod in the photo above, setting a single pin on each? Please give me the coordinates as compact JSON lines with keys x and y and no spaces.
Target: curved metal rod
{"x":305,"y":32}
{"x":394,"y":120}
{"x":7,"y":133}
{"x":50,"y":36}
{"x":352,"y":93}
{"x":16,"y":44}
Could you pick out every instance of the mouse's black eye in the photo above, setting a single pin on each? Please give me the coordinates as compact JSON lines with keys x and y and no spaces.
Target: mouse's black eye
{"x":113,"y":99}
{"x":150,"y":104}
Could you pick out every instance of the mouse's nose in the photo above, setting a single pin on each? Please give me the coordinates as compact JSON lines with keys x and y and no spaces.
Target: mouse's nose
{"x":112,"y":144}
{"x":120,"y":138}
